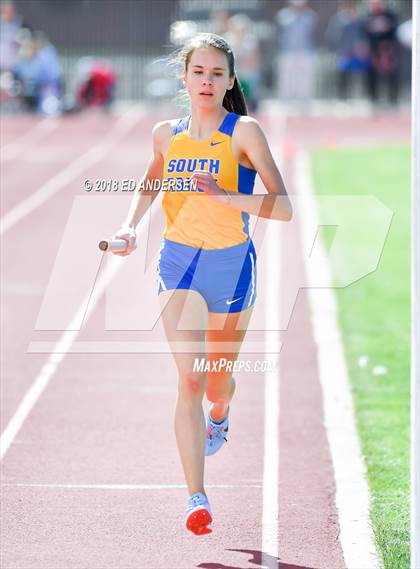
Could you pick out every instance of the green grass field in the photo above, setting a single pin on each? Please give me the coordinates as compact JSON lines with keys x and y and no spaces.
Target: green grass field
{"x":374,"y":315}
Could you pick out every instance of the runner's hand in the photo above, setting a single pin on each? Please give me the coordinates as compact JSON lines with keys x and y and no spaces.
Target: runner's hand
{"x":129,"y":235}
{"x":206,"y":183}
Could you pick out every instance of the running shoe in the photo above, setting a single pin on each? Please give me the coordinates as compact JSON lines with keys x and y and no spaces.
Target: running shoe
{"x":198,"y":514}
{"x":216,"y":433}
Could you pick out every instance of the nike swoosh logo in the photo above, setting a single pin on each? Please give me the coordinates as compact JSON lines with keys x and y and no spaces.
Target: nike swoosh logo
{"x":215,"y":143}
{"x":234,"y":300}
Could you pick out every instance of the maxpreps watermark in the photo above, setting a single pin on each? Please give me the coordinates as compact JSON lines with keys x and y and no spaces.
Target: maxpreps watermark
{"x":202,"y":365}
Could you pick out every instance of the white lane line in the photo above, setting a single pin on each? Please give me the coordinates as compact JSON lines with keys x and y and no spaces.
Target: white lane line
{"x":270,"y":515}
{"x":352,"y":491}
{"x":38,"y":132}
{"x":152,"y":347}
{"x":128,"y":486}
{"x":70,"y":172}
{"x":62,"y":347}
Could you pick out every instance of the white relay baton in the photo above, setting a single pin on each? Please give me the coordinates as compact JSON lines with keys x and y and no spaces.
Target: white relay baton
{"x":111,"y":245}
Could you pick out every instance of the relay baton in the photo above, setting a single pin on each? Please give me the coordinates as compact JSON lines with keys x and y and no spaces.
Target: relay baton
{"x":111,"y":245}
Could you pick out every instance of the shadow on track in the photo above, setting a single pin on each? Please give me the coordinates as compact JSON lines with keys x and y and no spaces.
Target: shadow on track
{"x":257,"y":559}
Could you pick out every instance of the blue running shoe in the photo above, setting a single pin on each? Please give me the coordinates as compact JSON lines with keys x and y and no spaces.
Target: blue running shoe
{"x":216,"y":433}
{"x":198,"y":514}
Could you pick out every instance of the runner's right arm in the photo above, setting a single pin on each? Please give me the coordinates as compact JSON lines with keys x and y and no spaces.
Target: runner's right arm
{"x":143,"y":199}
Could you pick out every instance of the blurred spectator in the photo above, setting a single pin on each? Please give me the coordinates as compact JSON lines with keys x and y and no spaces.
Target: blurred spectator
{"x":344,"y":35}
{"x":37,"y":72}
{"x":10,"y":25}
{"x":28,"y":72}
{"x":245,"y":46}
{"x":380,"y":27}
{"x":297,"y":25}
{"x":51,"y":77}
{"x":219,"y":22}
{"x":94,"y":85}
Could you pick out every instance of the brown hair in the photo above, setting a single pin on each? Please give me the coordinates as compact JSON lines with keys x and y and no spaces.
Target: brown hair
{"x":234,"y":100}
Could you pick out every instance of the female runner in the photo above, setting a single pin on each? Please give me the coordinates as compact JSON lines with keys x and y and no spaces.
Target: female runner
{"x":207,"y":265}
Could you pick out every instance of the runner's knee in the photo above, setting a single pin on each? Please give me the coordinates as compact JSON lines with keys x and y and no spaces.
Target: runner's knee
{"x":192,"y":383}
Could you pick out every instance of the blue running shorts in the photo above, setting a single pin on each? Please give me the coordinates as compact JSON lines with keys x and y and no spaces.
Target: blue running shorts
{"x":225,"y":278}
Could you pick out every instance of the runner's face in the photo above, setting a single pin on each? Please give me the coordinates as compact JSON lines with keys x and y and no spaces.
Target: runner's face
{"x":207,"y":77}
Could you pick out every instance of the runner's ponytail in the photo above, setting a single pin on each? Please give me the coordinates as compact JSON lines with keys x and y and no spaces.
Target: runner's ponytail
{"x":234,"y":100}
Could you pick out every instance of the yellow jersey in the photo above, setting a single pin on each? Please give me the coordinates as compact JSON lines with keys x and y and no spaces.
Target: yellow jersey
{"x":198,"y":220}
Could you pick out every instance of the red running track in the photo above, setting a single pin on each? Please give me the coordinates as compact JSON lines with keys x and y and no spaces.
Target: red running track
{"x":107,"y":418}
